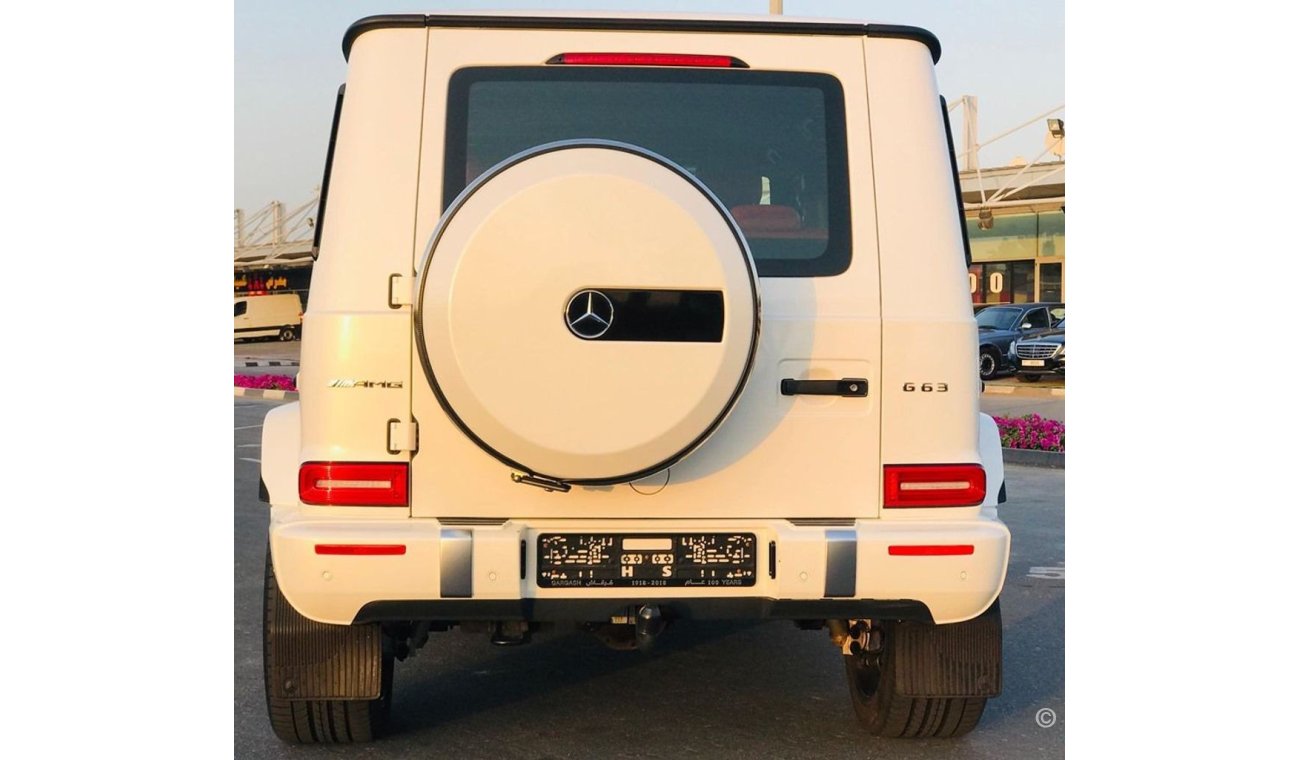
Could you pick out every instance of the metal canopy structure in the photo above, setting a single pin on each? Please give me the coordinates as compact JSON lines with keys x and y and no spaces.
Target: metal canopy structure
{"x":272,"y":237}
{"x":1025,"y":183}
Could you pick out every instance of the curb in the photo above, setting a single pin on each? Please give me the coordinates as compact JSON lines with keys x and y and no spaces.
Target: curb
{"x":1007,"y":390}
{"x":267,"y":364}
{"x":269,"y":394}
{"x":1031,"y":458}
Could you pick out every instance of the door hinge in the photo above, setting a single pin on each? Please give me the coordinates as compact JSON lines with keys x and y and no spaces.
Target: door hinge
{"x":403,"y":436}
{"x":401,"y":291}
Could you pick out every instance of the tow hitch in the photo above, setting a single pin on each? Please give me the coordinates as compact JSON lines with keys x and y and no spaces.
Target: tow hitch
{"x":855,"y":637}
{"x":638,"y":629}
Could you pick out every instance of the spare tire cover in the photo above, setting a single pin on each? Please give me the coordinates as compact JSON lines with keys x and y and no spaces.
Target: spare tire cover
{"x":587,"y":312}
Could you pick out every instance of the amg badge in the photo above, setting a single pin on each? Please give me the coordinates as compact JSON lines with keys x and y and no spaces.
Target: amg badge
{"x":365,"y":384}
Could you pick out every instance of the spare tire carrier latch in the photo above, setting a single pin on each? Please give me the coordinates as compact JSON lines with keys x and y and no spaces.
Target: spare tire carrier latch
{"x":539,"y":481}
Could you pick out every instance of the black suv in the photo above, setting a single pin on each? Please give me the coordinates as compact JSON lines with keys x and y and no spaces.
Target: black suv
{"x":1001,"y":324}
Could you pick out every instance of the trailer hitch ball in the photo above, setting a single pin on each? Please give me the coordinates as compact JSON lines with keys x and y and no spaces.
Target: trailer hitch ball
{"x":649,"y":624}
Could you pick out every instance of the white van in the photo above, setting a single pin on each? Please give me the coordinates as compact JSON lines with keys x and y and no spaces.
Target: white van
{"x":629,"y":321}
{"x":269,"y":316}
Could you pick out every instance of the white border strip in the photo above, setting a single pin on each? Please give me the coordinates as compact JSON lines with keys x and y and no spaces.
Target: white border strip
{"x":261,"y":393}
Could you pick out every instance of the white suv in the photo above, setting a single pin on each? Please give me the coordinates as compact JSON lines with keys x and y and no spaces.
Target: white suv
{"x":622,"y":321}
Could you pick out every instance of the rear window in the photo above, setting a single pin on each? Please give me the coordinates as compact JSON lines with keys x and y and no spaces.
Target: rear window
{"x":770,"y":145}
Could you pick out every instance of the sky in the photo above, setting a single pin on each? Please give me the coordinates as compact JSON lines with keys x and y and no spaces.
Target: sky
{"x":1010,"y":54}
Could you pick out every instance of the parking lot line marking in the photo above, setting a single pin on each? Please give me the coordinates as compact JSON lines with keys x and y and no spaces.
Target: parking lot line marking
{"x":249,"y":446}
{"x":248,"y":427}
{"x":1048,"y":573}
{"x":250,"y":459}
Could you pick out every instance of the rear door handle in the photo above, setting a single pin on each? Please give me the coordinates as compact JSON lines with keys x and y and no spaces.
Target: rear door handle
{"x":848,"y":386}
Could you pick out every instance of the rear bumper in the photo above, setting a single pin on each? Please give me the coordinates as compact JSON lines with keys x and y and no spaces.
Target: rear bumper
{"x":673,"y":608}
{"x":454,"y":571}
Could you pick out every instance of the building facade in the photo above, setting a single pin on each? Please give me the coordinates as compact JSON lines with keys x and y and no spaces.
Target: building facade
{"x":1015,"y":218}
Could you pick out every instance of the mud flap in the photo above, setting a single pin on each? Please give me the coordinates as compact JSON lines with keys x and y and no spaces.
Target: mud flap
{"x":310,"y":660}
{"x":954,"y":660}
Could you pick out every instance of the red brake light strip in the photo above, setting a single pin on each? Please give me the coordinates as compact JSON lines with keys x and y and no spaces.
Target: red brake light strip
{"x":648,"y":59}
{"x":361,"y":549}
{"x":931,"y":550}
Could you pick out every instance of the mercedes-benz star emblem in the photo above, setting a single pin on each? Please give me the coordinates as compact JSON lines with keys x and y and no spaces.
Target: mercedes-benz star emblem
{"x":589,"y":314}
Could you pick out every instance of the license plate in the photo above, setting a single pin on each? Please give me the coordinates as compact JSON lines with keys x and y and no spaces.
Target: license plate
{"x":1032,"y":362}
{"x":593,"y":560}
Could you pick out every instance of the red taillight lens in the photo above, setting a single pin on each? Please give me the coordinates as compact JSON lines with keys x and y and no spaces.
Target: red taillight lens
{"x":934,"y":485}
{"x":353,"y":484}
{"x":648,"y":59}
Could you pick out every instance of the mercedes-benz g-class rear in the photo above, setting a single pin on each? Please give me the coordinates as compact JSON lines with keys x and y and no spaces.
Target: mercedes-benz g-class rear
{"x":624,"y":322}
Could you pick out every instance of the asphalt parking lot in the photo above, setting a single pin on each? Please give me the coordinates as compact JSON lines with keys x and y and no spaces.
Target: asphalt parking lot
{"x":716,"y":690}
{"x":1020,"y":403}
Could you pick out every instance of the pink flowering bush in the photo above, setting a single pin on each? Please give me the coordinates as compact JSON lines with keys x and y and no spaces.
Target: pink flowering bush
{"x":266,"y":382}
{"x":1031,"y":432}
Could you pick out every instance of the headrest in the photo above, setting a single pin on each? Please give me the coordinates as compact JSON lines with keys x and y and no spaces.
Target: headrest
{"x":758,"y":219}
{"x":473,"y":168}
{"x":734,"y":186}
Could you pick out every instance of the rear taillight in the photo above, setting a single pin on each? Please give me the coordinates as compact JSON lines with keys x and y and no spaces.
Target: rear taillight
{"x":934,"y":485}
{"x":353,"y":484}
{"x":648,"y":59}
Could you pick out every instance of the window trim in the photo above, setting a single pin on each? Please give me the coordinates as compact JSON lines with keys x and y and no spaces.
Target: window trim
{"x":956,"y":182}
{"x":329,"y":169}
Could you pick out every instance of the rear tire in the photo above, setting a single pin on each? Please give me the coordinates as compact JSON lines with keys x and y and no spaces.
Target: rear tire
{"x":885,"y":712}
{"x":320,"y":721}
{"x":287,"y":334}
